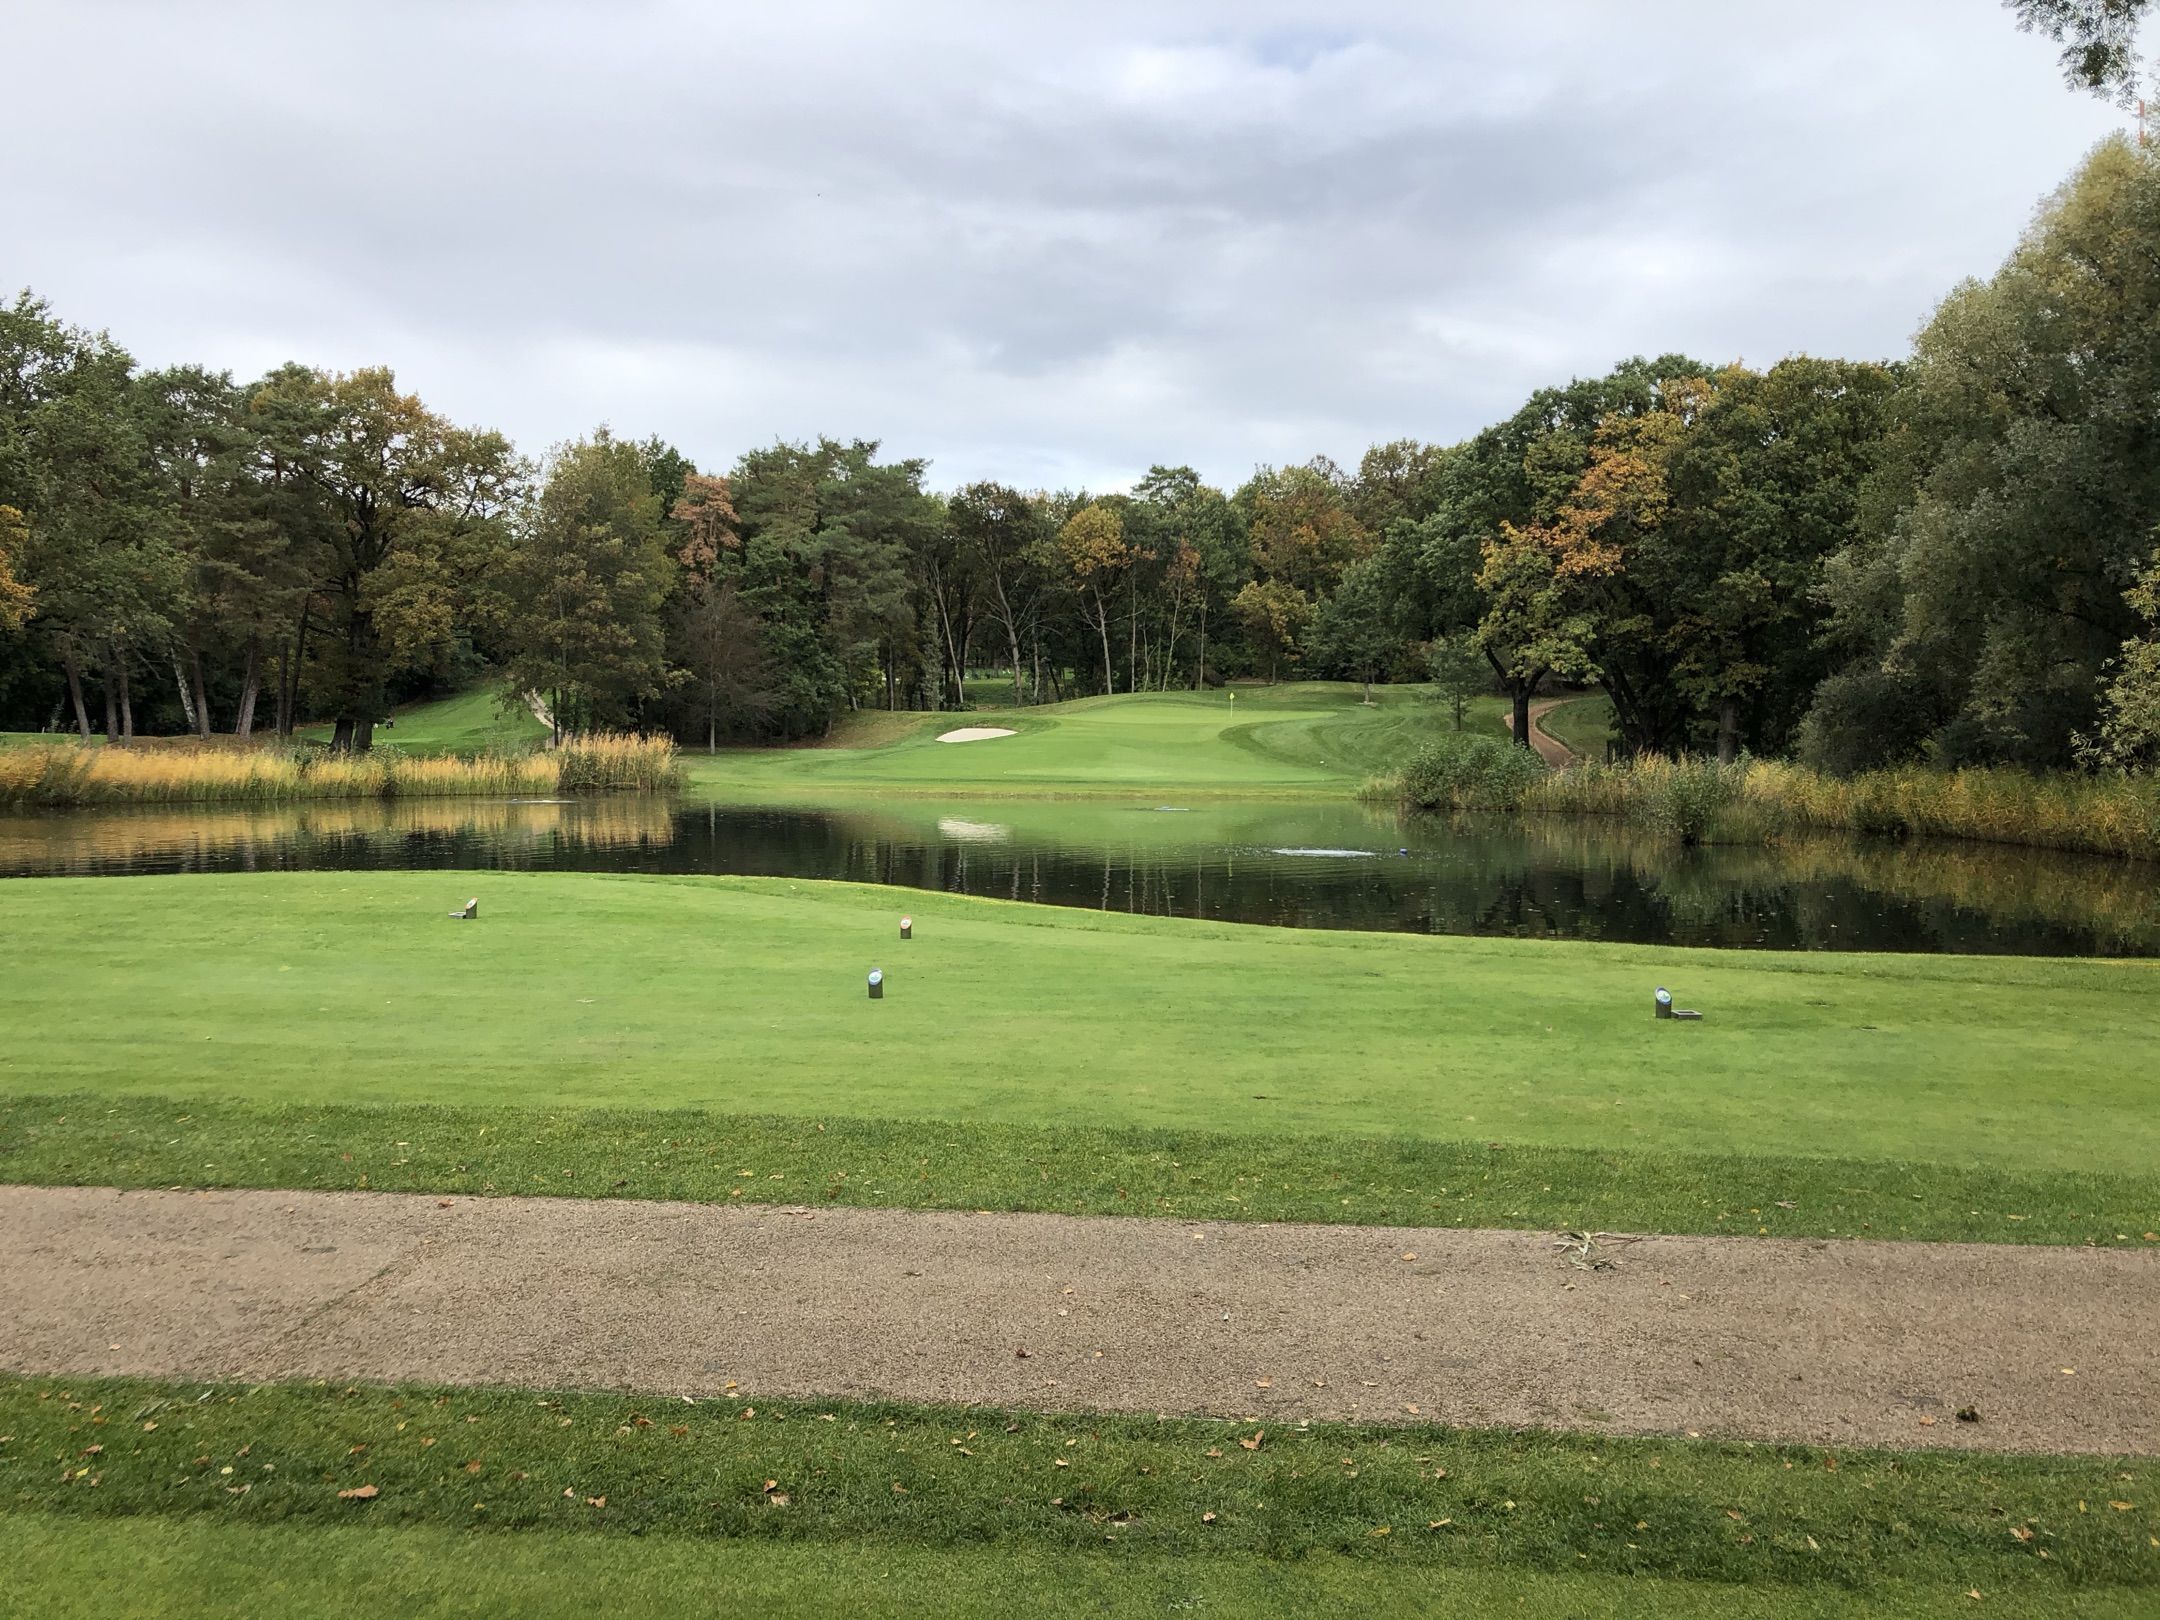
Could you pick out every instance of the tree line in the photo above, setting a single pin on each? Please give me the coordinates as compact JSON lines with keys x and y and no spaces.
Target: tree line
{"x":1948,"y":557}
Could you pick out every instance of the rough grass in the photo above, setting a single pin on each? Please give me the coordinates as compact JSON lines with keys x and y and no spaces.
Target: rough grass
{"x":739,"y":995}
{"x":140,"y":1141}
{"x":70,"y":776}
{"x":604,"y":1469}
{"x":1302,"y":737}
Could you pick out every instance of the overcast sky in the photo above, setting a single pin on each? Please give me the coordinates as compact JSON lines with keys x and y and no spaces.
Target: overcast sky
{"x":1045,"y":244}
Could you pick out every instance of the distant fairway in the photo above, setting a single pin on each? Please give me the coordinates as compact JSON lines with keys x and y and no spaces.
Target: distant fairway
{"x":1304,"y":737}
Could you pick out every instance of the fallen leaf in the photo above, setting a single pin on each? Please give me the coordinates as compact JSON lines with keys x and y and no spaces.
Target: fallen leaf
{"x":1381,"y":1530}
{"x":2019,"y":1531}
{"x":596,"y":1501}
{"x":771,"y":1485}
{"x":473,"y":1467}
{"x":1409,"y":1254}
{"x":1207,"y":1518}
{"x":1214,"y":1451}
{"x":2122,"y":1507}
{"x":1263,"y":1383}
{"x":1927,"y":1423}
{"x":1254,"y":1443}
{"x":898,"y":1489}
{"x":1439,"y":1524}
{"x":360,"y":1493}
{"x":1732,"y":1513}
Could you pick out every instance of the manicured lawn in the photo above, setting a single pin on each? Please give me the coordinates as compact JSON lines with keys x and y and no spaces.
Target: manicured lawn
{"x":262,"y":995}
{"x":199,"y":1569}
{"x":470,"y":723}
{"x":1302,"y":737}
{"x":518,"y":1485}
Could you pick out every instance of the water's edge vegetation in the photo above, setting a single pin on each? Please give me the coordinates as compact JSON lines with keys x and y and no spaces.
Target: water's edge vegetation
{"x":1701,"y":801}
{"x":70,"y":776}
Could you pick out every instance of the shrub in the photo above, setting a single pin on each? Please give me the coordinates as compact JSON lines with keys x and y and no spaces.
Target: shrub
{"x":1470,"y":773}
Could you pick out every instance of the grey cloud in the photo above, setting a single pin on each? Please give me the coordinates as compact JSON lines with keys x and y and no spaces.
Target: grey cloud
{"x":1050,"y":245}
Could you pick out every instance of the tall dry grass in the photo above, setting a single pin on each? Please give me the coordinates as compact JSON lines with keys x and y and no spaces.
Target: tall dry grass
{"x":70,"y":776}
{"x":1699,"y":801}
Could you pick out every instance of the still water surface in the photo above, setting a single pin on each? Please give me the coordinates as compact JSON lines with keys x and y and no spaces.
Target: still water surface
{"x":1307,"y":865}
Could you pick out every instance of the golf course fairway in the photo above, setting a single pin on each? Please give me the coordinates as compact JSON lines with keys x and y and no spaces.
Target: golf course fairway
{"x":1307,"y":737}
{"x":1064,"y":1037}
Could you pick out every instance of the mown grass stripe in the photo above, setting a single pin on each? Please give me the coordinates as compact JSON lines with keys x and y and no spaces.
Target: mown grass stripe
{"x":147,"y":1141}
{"x":942,"y":1477}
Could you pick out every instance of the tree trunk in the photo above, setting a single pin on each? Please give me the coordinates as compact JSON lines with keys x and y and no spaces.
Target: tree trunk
{"x":250,"y":684}
{"x":187,"y":694}
{"x":1521,"y":727}
{"x":74,"y":686}
{"x":1102,"y":623}
{"x":341,"y":734}
{"x":1132,"y":632}
{"x":112,"y":701}
{"x":1199,"y":669}
{"x":127,"y":704}
{"x":202,"y":694}
{"x":1728,"y":731}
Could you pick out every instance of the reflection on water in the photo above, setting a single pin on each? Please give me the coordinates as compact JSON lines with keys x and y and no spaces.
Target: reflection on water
{"x":1293,"y":864}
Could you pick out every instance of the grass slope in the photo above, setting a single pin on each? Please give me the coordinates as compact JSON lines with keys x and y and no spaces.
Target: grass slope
{"x":273,"y":1000}
{"x":1304,"y":737}
{"x":593,"y":1476}
{"x":467,"y":723}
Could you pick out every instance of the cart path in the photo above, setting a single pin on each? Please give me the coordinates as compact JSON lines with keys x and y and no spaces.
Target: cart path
{"x":1780,"y":1339}
{"x":1551,"y":749}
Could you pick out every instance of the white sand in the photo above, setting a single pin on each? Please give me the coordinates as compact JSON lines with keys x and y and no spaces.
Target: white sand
{"x":975,"y":734}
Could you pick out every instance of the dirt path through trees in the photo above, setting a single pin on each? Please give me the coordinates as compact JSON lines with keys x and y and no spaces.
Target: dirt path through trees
{"x":1551,"y":749}
{"x":1830,"y":1342}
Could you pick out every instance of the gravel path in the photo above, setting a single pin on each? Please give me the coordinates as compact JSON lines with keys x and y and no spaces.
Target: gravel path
{"x":1830,"y":1342}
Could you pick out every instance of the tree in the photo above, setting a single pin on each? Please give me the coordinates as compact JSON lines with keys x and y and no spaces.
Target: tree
{"x":1001,"y":532}
{"x":2018,"y":492}
{"x":1457,"y":670}
{"x":408,"y":510}
{"x":1273,"y":615}
{"x":18,"y":602}
{"x":2098,"y":37}
{"x":2129,"y":731}
{"x":1092,"y":548}
{"x":714,"y":637}
{"x":576,"y":599}
{"x":1301,"y":526}
{"x":1354,"y":630}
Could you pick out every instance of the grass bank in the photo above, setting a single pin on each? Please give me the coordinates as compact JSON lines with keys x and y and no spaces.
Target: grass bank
{"x":67,"y":776}
{"x":271,"y":995}
{"x":601,"y":1474}
{"x":1305,"y":737}
{"x":1695,"y":800}
{"x":477,"y":721}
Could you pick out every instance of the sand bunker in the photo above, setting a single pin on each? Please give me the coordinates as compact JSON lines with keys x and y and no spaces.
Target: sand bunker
{"x":974,"y":733}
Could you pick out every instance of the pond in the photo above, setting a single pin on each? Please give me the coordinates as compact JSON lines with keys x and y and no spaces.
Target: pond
{"x":1288,"y":863}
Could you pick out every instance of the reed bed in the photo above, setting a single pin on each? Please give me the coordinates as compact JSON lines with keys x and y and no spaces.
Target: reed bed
{"x":1697,"y":801}
{"x":68,"y":776}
